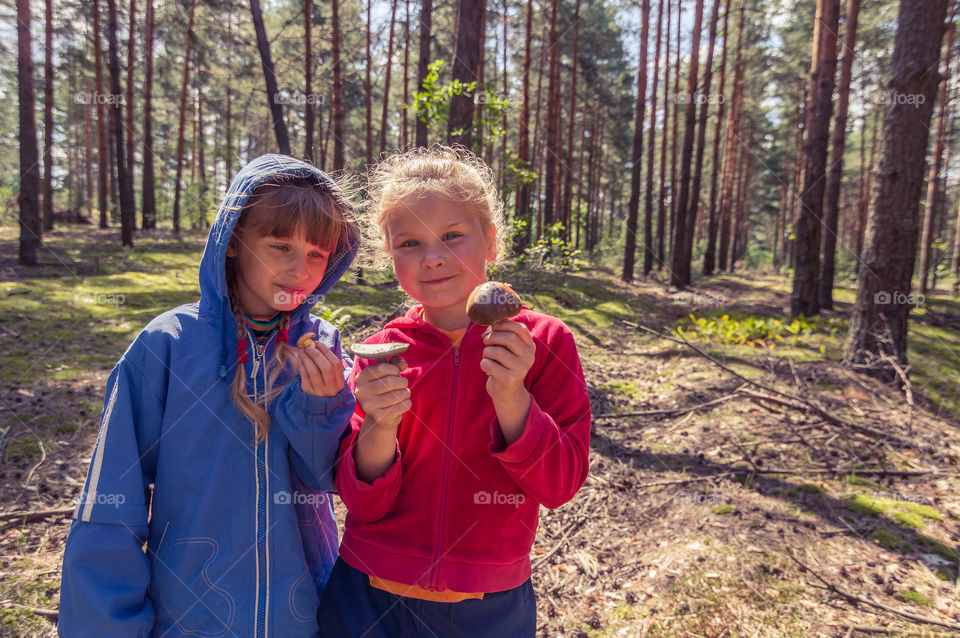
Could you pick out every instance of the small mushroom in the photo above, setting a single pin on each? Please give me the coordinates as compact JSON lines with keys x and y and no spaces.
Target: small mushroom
{"x":491,"y":302}
{"x":379,"y":351}
{"x":306,"y":340}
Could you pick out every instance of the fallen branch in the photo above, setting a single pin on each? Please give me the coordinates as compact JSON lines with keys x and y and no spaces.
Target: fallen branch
{"x":671,"y":412}
{"x":35,"y":515}
{"x":682,"y":481}
{"x":860,"y":599}
{"x":46,"y":613}
{"x":788,"y":400}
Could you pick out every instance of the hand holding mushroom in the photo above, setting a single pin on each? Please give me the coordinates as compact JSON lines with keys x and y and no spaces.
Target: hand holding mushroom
{"x":321,"y":371}
{"x":508,"y":355}
{"x":381,"y":391}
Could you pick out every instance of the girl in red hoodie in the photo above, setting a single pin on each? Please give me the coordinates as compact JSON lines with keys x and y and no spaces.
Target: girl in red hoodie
{"x":455,"y":446}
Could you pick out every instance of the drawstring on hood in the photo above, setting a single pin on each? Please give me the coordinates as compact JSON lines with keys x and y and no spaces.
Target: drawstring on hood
{"x":214,"y":294}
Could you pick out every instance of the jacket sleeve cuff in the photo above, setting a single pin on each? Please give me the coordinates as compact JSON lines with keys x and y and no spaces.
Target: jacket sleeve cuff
{"x":521,"y":450}
{"x":314,"y":406}
{"x":368,"y":502}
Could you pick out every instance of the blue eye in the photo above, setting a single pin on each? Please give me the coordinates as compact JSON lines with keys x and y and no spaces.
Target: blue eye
{"x":410,"y":243}
{"x":281,"y":247}
{"x":451,"y":235}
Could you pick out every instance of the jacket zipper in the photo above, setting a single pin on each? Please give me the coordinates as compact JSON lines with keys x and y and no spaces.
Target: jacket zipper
{"x":438,"y":552}
{"x":263,"y":505}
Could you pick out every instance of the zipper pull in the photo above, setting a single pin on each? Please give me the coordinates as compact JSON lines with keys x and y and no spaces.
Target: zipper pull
{"x":258,"y":356}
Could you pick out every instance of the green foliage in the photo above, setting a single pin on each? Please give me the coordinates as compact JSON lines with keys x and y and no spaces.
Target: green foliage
{"x":338,"y":316}
{"x":551,"y":252}
{"x":752,"y":330}
{"x":432,"y":103}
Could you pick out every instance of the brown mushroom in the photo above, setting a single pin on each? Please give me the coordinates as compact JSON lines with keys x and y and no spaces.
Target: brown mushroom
{"x":379,"y":351}
{"x":306,"y":340}
{"x":492,"y":301}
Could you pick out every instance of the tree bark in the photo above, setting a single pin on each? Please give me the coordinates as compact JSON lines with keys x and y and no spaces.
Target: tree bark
{"x":103,"y":159}
{"x":127,"y":212}
{"x":31,"y":226}
{"x":636,"y":158}
{"x":804,"y":299}
{"x":48,"y":117}
{"x":662,"y":203}
{"x":679,"y":260}
{"x":181,"y":128}
{"x":522,"y":201}
{"x":273,"y":92}
{"x":149,"y":201}
{"x":308,"y":114}
{"x":553,"y":116}
{"x":831,"y":209}
{"x":648,"y":239}
{"x":338,"y":151}
{"x":131,"y":128}
{"x":879,"y":327}
{"x":936,"y":166}
{"x":386,"y":83}
{"x":468,"y":57}
{"x":426,"y":13}
{"x":732,"y":151}
{"x":709,"y":254}
{"x":405,"y":119}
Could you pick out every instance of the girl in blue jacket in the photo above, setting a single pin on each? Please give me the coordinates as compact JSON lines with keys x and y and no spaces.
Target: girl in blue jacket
{"x":217,"y":431}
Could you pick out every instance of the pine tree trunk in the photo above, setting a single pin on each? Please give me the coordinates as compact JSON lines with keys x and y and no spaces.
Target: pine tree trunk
{"x":88,"y":149}
{"x":131,"y":128}
{"x":103,"y":161}
{"x":804,"y":299}
{"x":149,"y":200}
{"x":48,"y":117}
{"x":308,"y":114}
{"x":567,"y":199}
{"x":648,"y":251}
{"x":831,"y":209}
{"x":368,"y":91}
{"x":536,"y":138}
{"x":709,"y":254}
{"x":933,"y":180}
{"x":386,"y":83}
{"x":732,"y":151}
{"x":426,"y":14}
{"x":522,"y":201}
{"x":182,"y":123}
{"x":127,"y":212}
{"x":553,"y":117}
{"x":636,"y":170}
{"x":675,"y":136}
{"x":405,"y":119}
{"x":879,"y":321}
{"x":662,"y":207}
{"x":273,"y":91}
{"x":679,"y":261}
{"x":338,"y":151}
{"x":31,"y":226}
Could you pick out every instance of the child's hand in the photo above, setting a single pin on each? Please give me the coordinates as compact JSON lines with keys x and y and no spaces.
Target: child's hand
{"x":383,"y":393}
{"x":507,"y":358}
{"x":321,"y":371}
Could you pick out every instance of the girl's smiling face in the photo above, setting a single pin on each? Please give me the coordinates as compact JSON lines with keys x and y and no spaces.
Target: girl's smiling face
{"x":440,"y":251}
{"x":275,"y":274}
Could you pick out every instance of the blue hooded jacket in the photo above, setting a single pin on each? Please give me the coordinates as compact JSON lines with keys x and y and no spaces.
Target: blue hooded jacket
{"x":214,"y":549}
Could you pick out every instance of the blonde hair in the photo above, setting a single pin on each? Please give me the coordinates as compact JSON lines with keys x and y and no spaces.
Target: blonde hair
{"x":313,"y":207}
{"x":452,"y":173}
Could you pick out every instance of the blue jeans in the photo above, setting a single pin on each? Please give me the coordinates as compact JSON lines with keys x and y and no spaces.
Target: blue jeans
{"x":351,"y":608}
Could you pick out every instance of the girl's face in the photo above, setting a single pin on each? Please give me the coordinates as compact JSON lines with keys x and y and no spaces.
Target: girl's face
{"x":440,"y":251}
{"x":275,"y":274}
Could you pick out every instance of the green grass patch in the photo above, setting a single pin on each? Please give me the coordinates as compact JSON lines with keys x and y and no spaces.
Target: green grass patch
{"x":883,"y":538}
{"x":912,"y":596}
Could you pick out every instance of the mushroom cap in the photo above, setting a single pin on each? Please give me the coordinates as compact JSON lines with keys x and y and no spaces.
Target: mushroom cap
{"x":492,"y":301}
{"x":378,"y":351}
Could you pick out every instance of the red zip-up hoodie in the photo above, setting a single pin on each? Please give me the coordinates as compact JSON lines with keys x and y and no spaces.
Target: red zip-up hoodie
{"x":458,"y":509}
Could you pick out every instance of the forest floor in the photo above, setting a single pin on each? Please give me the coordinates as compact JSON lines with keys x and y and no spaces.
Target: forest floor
{"x":742,"y":483}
